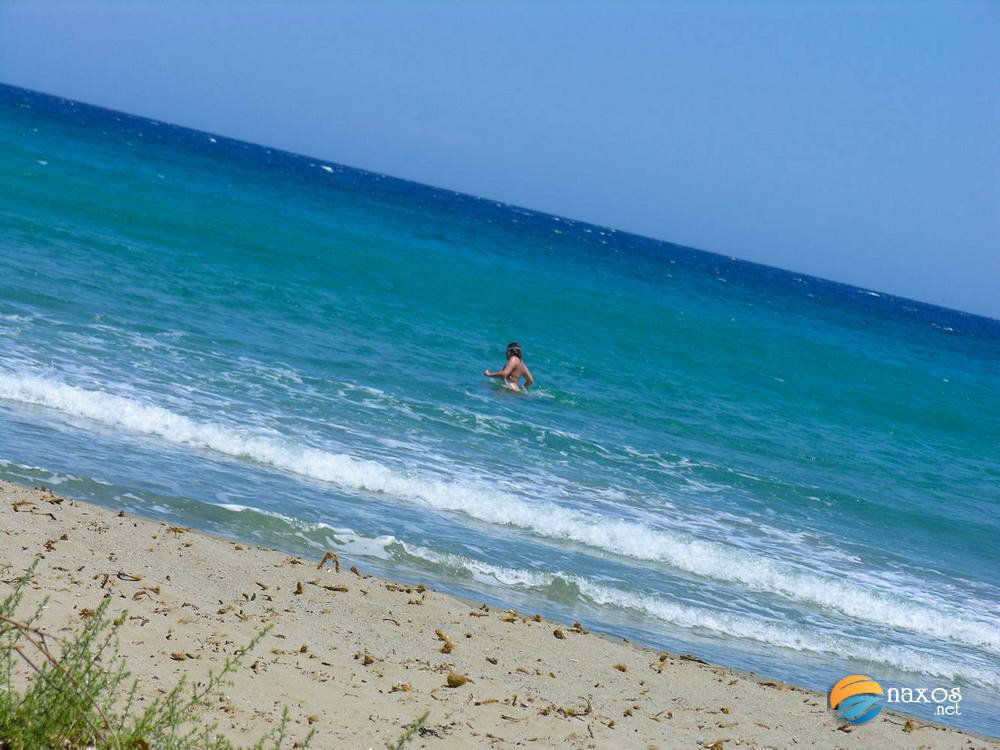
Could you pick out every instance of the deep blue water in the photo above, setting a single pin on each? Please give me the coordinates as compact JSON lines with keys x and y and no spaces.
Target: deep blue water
{"x":772,"y":471}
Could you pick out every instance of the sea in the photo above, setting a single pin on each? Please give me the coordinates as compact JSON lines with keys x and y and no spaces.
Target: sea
{"x":763,"y":469}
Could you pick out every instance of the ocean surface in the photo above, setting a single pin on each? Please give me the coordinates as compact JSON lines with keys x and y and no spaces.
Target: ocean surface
{"x":768,"y":470}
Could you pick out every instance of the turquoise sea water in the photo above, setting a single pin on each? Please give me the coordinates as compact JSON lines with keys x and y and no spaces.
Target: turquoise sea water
{"x":771,"y":471}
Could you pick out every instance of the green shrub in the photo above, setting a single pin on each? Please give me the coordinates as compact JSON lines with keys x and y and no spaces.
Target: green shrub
{"x":80,"y":696}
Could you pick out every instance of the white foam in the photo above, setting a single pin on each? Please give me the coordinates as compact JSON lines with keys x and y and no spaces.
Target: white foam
{"x":236,"y":507}
{"x":773,"y":634}
{"x":921,"y":613}
{"x":680,"y":615}
{"x":346,"y":539}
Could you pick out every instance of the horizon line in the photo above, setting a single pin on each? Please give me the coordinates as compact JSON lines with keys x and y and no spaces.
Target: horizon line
{"x":363,"y":170}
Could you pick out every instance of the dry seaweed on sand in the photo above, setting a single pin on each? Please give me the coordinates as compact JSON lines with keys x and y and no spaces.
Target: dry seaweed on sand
{"x":455,"y":679}
{"x":330,"y":556}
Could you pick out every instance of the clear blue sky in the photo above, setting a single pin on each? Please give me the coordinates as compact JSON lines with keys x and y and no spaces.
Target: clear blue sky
{"x":858,"y":141}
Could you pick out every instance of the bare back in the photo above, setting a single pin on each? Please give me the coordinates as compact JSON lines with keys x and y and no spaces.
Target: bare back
{"x":515,"y":370}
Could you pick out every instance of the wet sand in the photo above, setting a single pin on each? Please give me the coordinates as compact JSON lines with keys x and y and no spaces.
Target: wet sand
{"x":359,"y":658}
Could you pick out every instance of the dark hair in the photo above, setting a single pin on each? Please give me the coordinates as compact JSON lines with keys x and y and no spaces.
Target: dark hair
{"x":514,"y":348}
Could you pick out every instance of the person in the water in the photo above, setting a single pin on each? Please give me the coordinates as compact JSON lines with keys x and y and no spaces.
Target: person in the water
{"x":514,"y":370}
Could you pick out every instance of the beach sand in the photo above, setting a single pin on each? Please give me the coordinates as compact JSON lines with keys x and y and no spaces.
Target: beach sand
{"x":359,"y":658}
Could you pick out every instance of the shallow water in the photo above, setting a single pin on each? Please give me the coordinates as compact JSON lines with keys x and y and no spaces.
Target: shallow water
{"x":772,"y":471}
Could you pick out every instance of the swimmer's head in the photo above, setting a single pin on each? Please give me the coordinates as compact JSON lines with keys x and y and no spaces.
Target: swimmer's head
{"x":514,"y":350}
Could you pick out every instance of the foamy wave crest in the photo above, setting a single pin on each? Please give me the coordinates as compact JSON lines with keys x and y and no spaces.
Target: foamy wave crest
{"x":485,"y":503}
{"x":772,"y":634}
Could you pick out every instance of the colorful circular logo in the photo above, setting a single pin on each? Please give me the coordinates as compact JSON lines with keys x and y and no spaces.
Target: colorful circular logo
{"x":857,"y":698}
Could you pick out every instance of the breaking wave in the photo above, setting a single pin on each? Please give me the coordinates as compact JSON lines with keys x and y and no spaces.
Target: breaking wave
{"x":486,"y":503}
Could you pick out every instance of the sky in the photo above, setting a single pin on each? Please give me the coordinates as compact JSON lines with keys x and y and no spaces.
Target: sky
{"x":857,"y":141}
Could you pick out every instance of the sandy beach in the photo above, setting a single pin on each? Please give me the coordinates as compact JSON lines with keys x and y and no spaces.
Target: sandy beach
{"x":359,"y":658}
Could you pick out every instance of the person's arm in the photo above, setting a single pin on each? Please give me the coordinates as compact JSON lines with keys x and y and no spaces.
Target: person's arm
{"x":507,"y":370}
{"x":528,"y":380}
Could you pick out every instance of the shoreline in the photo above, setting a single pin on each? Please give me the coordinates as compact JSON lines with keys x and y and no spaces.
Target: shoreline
{"x":358,"y":658}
